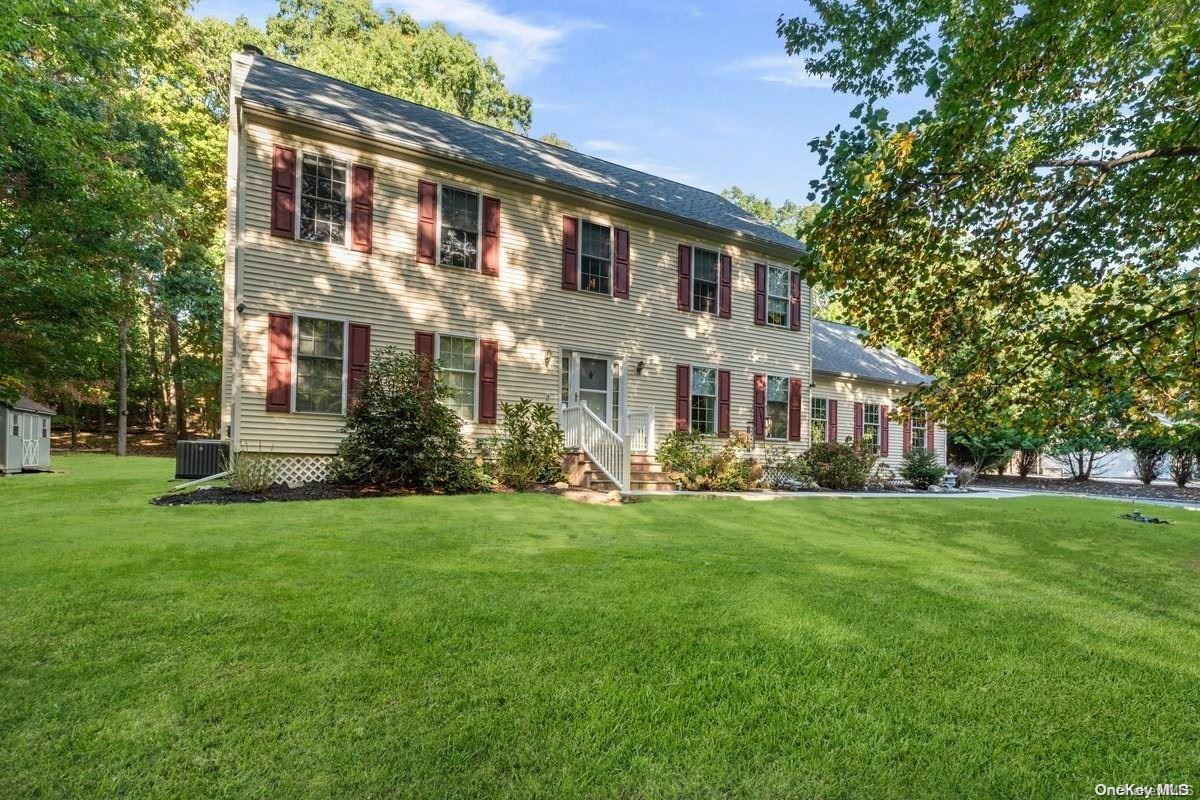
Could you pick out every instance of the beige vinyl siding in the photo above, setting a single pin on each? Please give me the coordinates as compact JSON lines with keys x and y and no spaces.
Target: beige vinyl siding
{"x":525,"y":309}
{"x":848,"y":391}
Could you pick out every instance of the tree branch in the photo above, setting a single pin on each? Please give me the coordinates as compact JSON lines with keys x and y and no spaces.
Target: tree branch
{"x":1107,"y":165}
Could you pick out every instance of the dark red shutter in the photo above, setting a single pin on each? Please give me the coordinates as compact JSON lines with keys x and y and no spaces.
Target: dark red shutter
{"x":723,"y":378}
{"x":883,"y":430}
{"x":907,"y":436}
{"x":283,"y":192}
{"x":832,"y":424}
{"x":621,"y":263}
{"x":426,"y":222}
{"x":929,"y":434}
{"x":362,"y":207}
{"x":490,"y":264}
{"x":795,"y":408}
{"x":795,"y":315}
{"x":858,"y":422}
{"x":683,"y":299}
{"x":683,"y":396}
{"x":570,"y":253}
{"x":279,"y":362}
{"x":725,"y":301}
{"x":423,"y":347}
{"x":360,"y":358}
{"x":488,"y":351}
{"x":760,"y":294}
{"x":760,"y":406}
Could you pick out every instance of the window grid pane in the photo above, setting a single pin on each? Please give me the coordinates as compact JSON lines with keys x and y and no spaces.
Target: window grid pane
{"x":819,"y":419}
{"x":460,"y":228}
{"x":322,"y":199}
{"x":704,"y":400}
{"x":871,"y":425}
{"x":456,"y":356}
{"x":777,"y":407}
{"x":595,"y":261}
{"x":704,"y":280}
{"x":319,"y":349}
{"x":778,"y":295}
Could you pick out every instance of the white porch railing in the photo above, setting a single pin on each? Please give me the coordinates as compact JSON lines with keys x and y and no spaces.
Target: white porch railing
{"x":583,"y":430}
{"x":641,"y":430}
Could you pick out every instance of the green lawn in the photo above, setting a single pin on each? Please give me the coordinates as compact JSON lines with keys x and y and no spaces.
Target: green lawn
{"x":527,"y":646}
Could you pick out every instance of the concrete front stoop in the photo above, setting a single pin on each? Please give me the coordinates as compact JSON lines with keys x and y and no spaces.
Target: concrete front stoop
{"x":646,"y":474}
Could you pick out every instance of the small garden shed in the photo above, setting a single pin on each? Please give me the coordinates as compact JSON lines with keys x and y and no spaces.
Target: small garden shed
{"x":25,"y":439}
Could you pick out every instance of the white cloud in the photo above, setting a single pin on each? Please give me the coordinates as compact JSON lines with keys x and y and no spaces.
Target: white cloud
{"x":520,"y":46}
{"x":602,"y":146}
{"x":787,"y":70}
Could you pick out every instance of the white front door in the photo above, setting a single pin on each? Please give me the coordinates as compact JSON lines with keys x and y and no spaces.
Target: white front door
{"x":594,"y":381}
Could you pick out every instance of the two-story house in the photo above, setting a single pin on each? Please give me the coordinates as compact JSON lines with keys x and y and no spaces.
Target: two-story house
{"x":636,"y":304}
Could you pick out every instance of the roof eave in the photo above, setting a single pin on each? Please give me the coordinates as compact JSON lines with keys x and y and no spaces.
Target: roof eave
{"x":857,"y":377}
{"x":314,"y":121}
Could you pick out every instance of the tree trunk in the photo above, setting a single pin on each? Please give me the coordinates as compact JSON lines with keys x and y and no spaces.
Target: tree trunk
{"x":122,"y":385}
{"x":177,"y":378}
{"x":73,"y":413}
{"x":158,"y":408}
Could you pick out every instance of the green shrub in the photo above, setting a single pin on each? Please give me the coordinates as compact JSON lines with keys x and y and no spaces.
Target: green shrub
{"x":693,"y":461}
{"x":248,"y":472}
{"x":921,"y":469}
{"x":531,"y":450}
{"x":841,"y":466}
{"x":399,"y":432}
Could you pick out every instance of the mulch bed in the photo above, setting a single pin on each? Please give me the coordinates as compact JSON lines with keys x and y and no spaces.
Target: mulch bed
{"x":1110,"y":488}
{"x":280,"y":493}
{"x":219,"y":495}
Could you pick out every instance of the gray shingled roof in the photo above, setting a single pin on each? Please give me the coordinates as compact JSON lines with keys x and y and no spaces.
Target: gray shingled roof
{"x":26,"y":404}
{"x":295,"y":92}
{"x":838,"y":350}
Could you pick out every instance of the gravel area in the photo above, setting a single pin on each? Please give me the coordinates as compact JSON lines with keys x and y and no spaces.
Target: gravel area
{"x":1108,"y":488}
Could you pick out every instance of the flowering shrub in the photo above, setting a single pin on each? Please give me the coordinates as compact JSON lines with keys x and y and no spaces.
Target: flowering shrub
{"x":693,"y":461}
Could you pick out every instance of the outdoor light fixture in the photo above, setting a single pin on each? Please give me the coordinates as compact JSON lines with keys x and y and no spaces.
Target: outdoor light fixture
{"x":241,"y":308}
{"x":641,"y":365}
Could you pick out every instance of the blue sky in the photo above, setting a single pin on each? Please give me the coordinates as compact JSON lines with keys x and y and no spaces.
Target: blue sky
{"x":701,"y":92}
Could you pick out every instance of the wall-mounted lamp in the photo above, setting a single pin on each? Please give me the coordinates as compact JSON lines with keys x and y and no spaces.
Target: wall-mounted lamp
{"x":641,"y":365}
{"x":240,"y":308}
{"x":548,"y":360}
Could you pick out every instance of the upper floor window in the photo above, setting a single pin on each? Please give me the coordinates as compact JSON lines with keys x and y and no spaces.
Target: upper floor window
{"x":777,"y":407}
{"x":818,"y":420}
{"x":459,"y":220}
{"x":704,"y":400}
{"x":919,"y":429}
{"x":457,"y":358}
{"x":779,"y":297}
{"x":322,"y":199}
{"x":705,"y":280}
{"x":320,"y":352}
{"x":595,"y":258}
{"x":870,"y":435}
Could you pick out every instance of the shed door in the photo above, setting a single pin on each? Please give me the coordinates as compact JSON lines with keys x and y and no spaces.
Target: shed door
{"x":29,"y":440}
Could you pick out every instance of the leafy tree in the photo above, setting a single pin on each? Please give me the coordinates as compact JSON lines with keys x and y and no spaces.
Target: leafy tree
{"x":986,"y":450}
{"x":789,"y":217}
{"x":556,"y":140}
{"x":1031,"y":234}
{"x":392,"y":53}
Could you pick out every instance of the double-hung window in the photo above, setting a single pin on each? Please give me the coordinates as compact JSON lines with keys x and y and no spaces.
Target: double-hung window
{"x":871,"y":425}
{"x":779,"y":296}
{"x":704,"y":400}
{"x":457,"y":358}
{"x":459,"y":221}
{"x":777,"y":407}
{"x":322,"y":199}
{"x":918,"y":429}
{"x":706,"y":273}
{"x":320,"y":357}
{"x":595,"y":258}
{"x":818,"y":420}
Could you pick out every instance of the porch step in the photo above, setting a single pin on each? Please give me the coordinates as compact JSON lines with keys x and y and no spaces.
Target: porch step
{"x":646,"y":474}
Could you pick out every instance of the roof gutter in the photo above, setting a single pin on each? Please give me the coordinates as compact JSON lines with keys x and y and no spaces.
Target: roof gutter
{"x":853,"y":376}
{"x":763,"y":244}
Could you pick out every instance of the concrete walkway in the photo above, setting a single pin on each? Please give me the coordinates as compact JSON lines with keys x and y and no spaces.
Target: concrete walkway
{"x":988,"y":494}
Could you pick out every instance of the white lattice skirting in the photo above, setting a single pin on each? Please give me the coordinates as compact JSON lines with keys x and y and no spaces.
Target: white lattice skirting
{"x":299,"y":470}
